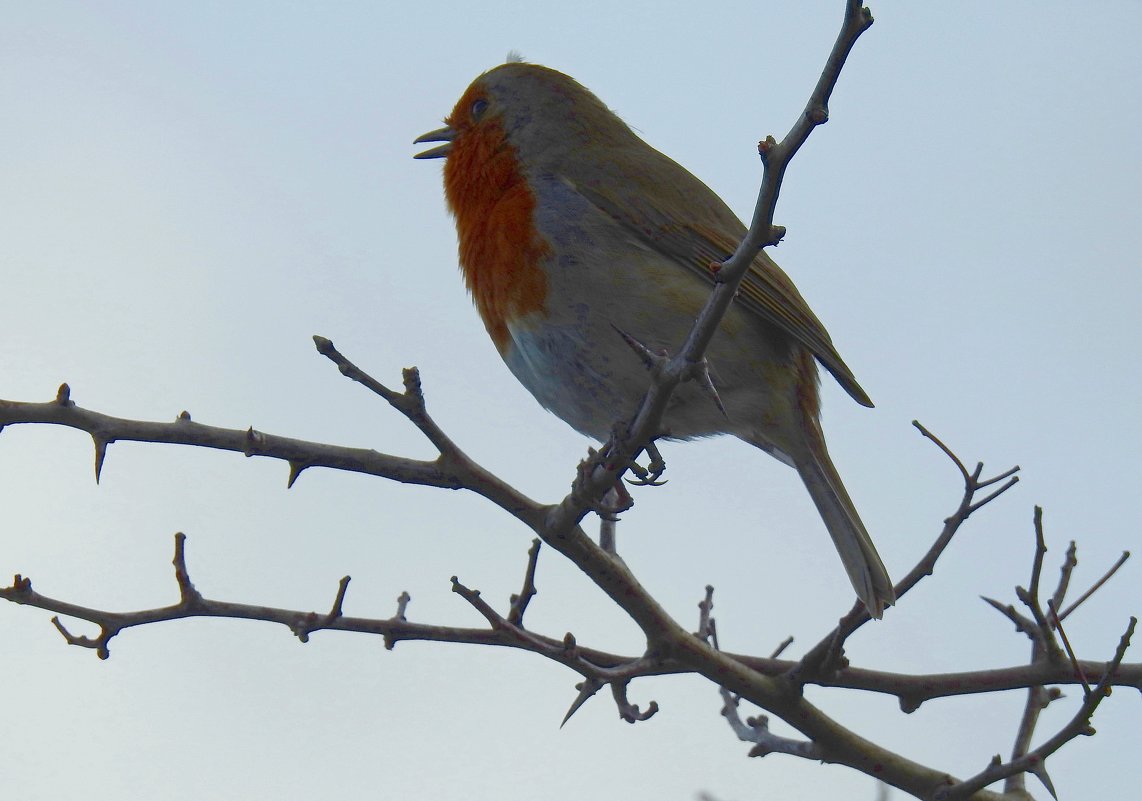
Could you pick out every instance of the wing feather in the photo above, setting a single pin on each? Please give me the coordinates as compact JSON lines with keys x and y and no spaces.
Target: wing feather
{"x":684,"y":220}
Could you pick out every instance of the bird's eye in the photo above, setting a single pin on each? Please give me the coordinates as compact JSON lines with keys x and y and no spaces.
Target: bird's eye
{"x":478,"y":108}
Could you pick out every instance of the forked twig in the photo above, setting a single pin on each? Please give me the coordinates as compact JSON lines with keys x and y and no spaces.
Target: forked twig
{"x":827,"y":656}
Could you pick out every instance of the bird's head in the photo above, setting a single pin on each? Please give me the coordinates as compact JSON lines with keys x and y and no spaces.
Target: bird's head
{"x":528,"y":113}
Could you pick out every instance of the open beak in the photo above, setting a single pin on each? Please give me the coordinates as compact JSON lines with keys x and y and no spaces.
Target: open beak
{"x":445,"y":135}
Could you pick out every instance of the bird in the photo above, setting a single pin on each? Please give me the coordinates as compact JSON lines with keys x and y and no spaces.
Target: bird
{"x":575,"y":234}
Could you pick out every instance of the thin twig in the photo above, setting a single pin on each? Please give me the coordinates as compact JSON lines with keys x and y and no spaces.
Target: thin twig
{"x":705,"y":630}
{"x":628,"y":711}
{"x":1058,"y":624}
{"x":527,"y":592}
{"x":1035,"y":761}
{"x":1038,"y":698}
{"x":781,"y":646}
{"x":1030,"y":596}
{"x":1070,"y":562}
{"x":1095,"y":587}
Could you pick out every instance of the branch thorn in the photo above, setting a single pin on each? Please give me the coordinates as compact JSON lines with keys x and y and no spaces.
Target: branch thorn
{"x":100,"y":455}
{"x":587,"y":687}
{"x":295,"y":468}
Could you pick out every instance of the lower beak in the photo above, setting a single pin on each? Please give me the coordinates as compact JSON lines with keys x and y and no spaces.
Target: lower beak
{"x":445,"y":135}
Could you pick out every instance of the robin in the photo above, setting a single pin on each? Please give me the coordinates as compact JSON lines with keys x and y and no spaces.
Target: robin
{"x":571,"y":228}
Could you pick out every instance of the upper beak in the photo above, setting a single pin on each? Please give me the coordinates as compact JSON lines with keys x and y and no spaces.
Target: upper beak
{"x":445,"y":135}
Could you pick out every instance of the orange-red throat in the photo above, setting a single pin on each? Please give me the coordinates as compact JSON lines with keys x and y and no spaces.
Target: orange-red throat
{"x":488,"y":193}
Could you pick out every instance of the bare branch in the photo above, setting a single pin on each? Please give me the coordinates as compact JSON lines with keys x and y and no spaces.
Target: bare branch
{"x":312,"y":622}
{"x":410,"y":403}
{"x":1095,"y":587}
{"x":519,"y":602}
{"x":705,"y":630}
{"x":628,"y":711}
{"x":247,"y":442}
{"x":756,"y":731}
{"x":1058,"y":624}
{"x":912,"y":690}
{"x":828,"y":655}
{"x":1035,"y":761}
{"x":781,"y":646}
{"x":1030,"y":596}
{"x":1037,"y":700}
{"x":98,"y":644}
{"x":398,"y":617}
{"x":1022,"y":623}
{"x":1038,"y":697}
{"x":339,"y":601}
{"x":188,"y":595}
{"x":402,"y":606}
{"x":1070,"y":562}
{"x":967,"y":477}
{"x":615,"y":500}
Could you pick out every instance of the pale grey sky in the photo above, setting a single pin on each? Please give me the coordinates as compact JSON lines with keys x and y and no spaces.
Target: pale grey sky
{"x":191,"y":190}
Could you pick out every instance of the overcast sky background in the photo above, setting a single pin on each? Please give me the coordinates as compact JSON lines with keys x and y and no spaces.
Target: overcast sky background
{"x":189,"y":191}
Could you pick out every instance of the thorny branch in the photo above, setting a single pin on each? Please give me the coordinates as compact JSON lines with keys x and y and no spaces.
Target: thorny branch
{"x":1045,"y":650}
{"x":1038,"y":696}
{"x":601,"y":668}
{"x":1035,"y":761}
{"x":912,"y":690}
{"x":828,"y":655}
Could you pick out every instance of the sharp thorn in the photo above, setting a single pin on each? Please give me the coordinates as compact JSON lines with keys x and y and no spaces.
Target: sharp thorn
{"x":100,"y":455}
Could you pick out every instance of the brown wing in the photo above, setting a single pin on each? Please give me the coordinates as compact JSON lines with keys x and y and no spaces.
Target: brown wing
{"x":670,"y":210}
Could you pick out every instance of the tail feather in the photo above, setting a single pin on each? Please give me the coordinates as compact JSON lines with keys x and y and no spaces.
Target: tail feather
{"x":866,"y":572}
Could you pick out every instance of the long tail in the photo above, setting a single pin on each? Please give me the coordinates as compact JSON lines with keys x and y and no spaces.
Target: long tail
{"x":862,"y":562}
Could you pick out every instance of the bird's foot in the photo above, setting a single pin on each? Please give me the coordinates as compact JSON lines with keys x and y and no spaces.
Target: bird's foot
{"x":650,"y":475}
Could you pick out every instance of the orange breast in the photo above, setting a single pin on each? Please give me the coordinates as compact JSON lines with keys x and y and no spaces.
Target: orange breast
{"x":500,"y":250}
